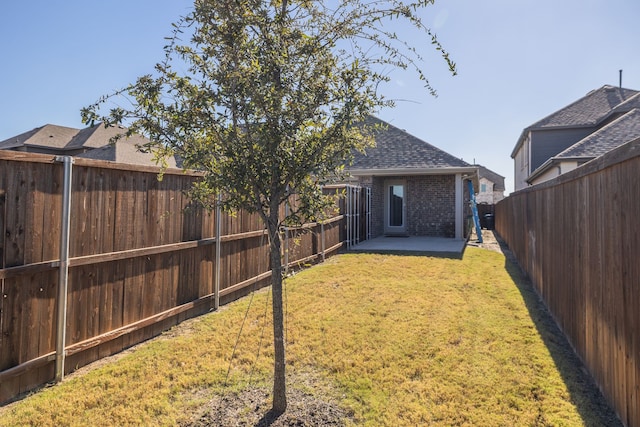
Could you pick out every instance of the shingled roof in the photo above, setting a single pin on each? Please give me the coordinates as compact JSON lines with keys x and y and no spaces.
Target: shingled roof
{"x":125,"y":151}
{"x":588,"y":110}
{"x":497,"y":179}
{"x":47,"y":136}
{"x":398,"y":151}
{"x":91,"y":142}
{"x":591,"y":110}
{"x":613,"y":135}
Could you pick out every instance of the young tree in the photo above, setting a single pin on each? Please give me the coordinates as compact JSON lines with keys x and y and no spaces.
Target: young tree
{"x":267,"y":99}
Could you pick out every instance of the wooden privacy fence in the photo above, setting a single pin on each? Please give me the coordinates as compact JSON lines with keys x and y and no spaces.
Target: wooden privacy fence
{"x":96,"y":257}
{"x":578,"y":238}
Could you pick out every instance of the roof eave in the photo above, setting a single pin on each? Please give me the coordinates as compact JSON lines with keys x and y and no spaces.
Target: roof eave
{"x":554,"y":161}
{"x":541,"y":169}
{"x":523,"y":136}
{"x":413,"y":171}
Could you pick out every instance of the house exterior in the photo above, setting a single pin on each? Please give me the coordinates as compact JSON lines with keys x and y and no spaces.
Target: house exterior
{"x":416,"y":188}
{"x":490,"y":188}
{"x":92,"y":142}
{"x":603,"y":119}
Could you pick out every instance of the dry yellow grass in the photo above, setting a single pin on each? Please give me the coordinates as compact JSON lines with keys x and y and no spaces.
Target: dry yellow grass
{"x":399,"y":340}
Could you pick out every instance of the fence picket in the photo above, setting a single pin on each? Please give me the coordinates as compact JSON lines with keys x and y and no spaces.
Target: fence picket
{"x":578,"y":239}
{"x":138,"y":262}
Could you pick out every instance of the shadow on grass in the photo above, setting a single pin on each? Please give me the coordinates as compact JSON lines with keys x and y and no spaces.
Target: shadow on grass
{"x":400,"y":252}
{"x":585,"y":394}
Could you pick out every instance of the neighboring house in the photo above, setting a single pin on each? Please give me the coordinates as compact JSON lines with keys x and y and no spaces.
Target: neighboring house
{"x":92,"y":142}
{"x":491,"y":186}
{"x":596,"y":123}
{"x":416,"y":188}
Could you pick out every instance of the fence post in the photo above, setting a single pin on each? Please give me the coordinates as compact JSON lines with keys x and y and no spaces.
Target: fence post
{"x":286,"y":236}
{"x":322,"y":242}
{"x":216,"y":285}
{"x":348,"y":216}
{"x":356,"y":192}
{"x":368,"y":234}
{"x":63,"y":269}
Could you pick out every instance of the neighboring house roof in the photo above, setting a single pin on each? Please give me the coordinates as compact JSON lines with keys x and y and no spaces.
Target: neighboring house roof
{"x":588,"y":111}
{"x":48,"y":136}
{"x":124,"y":151}
{"x":97,"y":136}
{"x":613,"y":135}
{"x":620,"y":131}
{"x":397,"y":151}
{"x":497,"y":179}
{"x":629,"y":104}
{"x":92,"y":142}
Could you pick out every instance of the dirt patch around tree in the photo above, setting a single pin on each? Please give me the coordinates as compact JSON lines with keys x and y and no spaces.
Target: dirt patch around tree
{"x":252,"y":407}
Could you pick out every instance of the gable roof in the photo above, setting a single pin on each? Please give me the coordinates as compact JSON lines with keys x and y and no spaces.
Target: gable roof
{"x":48,"y":136}
{"x":397,"y":151}
{"x":91,"y":142}
{"x":497,"y":179}
{"x":588,"y":111}
{"x":66,"y":138}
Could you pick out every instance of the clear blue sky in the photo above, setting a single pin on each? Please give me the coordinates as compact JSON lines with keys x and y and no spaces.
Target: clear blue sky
{"x":518,"y":61}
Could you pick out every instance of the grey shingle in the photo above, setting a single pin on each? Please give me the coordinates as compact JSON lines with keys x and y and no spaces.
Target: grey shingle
{"x":497,"y":179}
{"x":588,"y":110}
{"x":397,"y":149}
{"x":616,"y":133}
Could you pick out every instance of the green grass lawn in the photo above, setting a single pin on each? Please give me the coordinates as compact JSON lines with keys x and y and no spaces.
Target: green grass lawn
{"x":396,"y":340}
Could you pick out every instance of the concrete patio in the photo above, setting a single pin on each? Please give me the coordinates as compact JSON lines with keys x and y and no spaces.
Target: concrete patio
{"x":413,"y":244}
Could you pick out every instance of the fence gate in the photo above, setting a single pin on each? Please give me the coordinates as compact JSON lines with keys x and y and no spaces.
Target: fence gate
{"x":358,"y":214}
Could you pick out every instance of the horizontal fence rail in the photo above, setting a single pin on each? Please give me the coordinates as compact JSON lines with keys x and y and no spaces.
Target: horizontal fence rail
{"x":140,"y":259}
{"x":578,"y":238}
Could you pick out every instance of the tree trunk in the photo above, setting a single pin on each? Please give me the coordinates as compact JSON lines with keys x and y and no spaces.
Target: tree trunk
{"x":279,"y":386}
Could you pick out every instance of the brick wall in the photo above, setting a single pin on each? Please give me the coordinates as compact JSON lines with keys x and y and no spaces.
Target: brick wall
{"x":430,"y":204}
{"x":377,"y":203}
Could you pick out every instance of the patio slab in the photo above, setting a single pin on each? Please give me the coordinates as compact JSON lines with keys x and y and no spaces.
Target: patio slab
{"x":412,"y":244}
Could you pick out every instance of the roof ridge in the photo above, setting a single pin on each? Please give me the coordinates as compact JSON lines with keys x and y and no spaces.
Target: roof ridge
{"x":539,"y":124}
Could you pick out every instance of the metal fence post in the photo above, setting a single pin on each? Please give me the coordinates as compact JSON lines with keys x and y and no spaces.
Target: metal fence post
{"x":357,"y":196}
{"x":348,"y":216}
{"x":286,"y":235}
{"x":216,"y":289}
{"x":368,"y":213}
{"x":63,"y":269}
{"x":322,"y":240}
